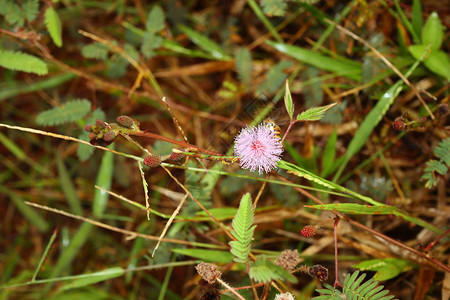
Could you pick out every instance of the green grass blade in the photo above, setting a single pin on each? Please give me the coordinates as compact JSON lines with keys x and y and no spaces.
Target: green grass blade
{"x":68,"y":188}
{"x":29,"y":213}
{"x":214,"y":256}
{"x":104,"y":179}
{"x":417,"y":18}
{"x":92,"y":278}
{"x":12,"y":90}
{"x":406,"y":22}
{"x":329,"y":154}
{"x":369,"y":123}
{"x":262,"y":17}
{"x":341,"y":66}
{"x":300,"y":172}
{"x":358,"y":209}
{"x":205,"y":43}
{"x":44,"y":255}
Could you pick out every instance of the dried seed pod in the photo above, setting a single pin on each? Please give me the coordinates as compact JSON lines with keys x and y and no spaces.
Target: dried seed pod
{"x":319,"y":272}
{"x":152,"y":161}
{"x":209,"y":272}
{"x":399,"y":124}
{"x":109,"y":136}
{"x":288,"y":259}
{"x":175,"y":156}
{"x":127,"y":122}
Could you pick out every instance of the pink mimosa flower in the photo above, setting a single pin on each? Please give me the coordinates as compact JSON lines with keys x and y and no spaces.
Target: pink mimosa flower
{"x":258,"y":148}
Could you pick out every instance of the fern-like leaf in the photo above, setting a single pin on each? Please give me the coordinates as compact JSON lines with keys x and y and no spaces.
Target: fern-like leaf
{"x":353,"y":289}
{"x":243,"y":229}
{"x":53,"y":24}
{"x":155,"y":20}
{"x":12,"y":12}
{"x":264,"y":270}
{"x":69,"y":112}
{"x":442,"y":151}
{"x":314,"y":113}
{"x":274,"y":7}
{"x":95,"y":50}
{"x":244,"y":65}
{"x":19,"y":61}
{"x":150,"y":41}
{"x":30,"y":9}
{"x":275,"y":78}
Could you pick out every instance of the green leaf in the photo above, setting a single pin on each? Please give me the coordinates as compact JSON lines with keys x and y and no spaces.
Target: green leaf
{"x":264,"y":270}
{"x":243,"y":229}
{"x":68,"y":188}
{"x":85,"y":151}
{"x":433,"y":32}
{"x":155,"y":20}
{"x":95,"y":50}
{"x":314,"y":113}
{"x":19,"y":61}
{"x":313,"y":93}
{"x":150,"y":41}
{"x":275,"y":78}
{"x":276,"y":8}
{"x":369,"y":123}
{"x":13,"y":89}
{"x":417,"y":18}
{"x":220,"y":213}
{"x":30,"y":9}
{"x":71,"y":111}
{"x":104,"y":179}
{"x":29,"y":213}
{"x":243,"y":64}
{"x":329,"y":154}
{"x":386,"y":268}
{"x":215,"y":256}
{"x":436,"y":61}
{"x":354,"y":288}
{"x":12,"y":12}
{"x":357,"y":209}
{"x":89,"y":279}
{"x":339,"y":65}
{"x":442,"y":151}
{"x":300,"y":172}
{"x":53,"y":24}
{"x":288,"y":101}
{"x":205,"y":43}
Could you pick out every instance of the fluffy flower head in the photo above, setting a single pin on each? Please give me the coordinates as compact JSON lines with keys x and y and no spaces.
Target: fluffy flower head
{"x":258,"y":148}
{"x":284,"y":296}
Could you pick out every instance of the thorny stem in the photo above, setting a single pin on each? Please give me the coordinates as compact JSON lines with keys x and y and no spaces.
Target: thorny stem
{"x":336,"y":265}
{"x":291,"y":123}
{"x":229,"y":288}
{"x":172,"y":141}
{"x":436,"y":240}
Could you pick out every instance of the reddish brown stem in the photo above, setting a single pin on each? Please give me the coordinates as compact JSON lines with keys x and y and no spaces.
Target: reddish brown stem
{"x":172,"y":141}
{"x":436,"y":240}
